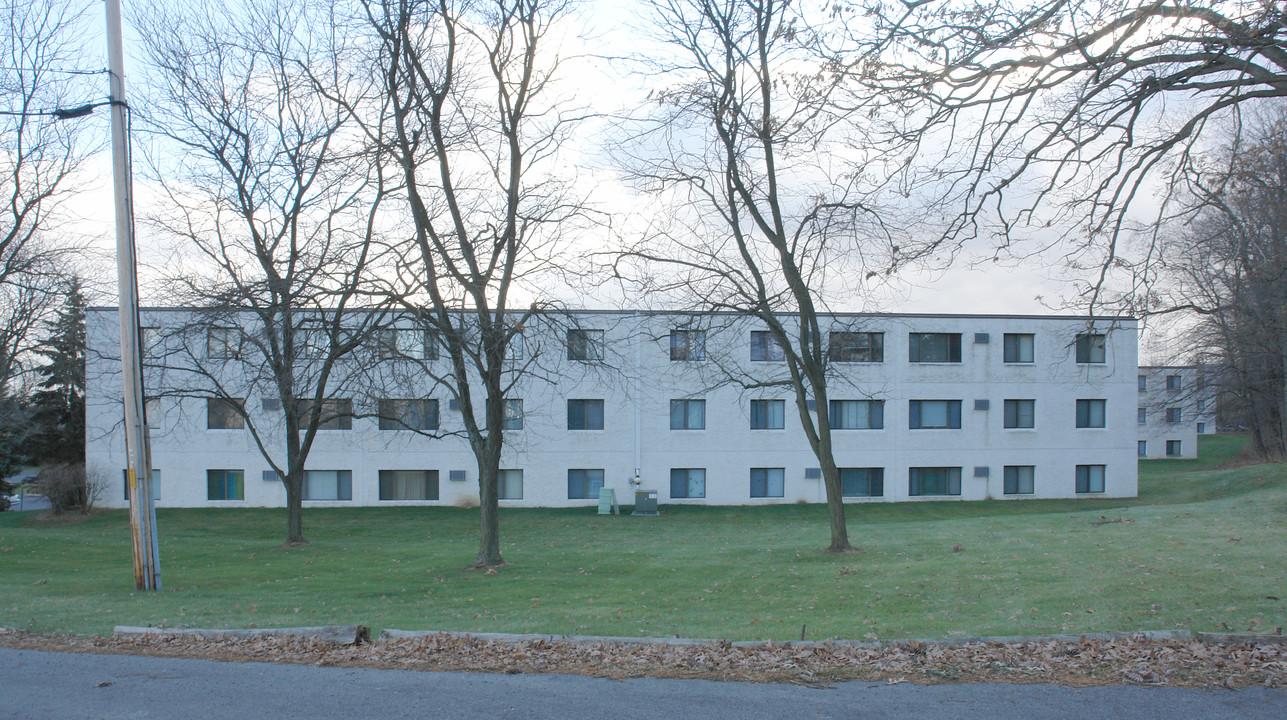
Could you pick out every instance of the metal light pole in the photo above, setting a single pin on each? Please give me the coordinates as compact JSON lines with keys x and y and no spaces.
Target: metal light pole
{"x":147,"y":563}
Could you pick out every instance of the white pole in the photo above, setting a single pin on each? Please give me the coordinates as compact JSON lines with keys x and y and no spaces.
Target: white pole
{"x":147,"y":565}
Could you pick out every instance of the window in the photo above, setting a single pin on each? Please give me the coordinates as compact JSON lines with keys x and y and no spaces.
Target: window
{"x":688,"y":482}
{"x":1202,"y":428}
{"x":1020,"y":413}
{"x":934,"y":414}
{"x":223,"y":343}
{"x":765,"y":348}
{"x":1141,"y":448}
{"x":862,"y":482}
{"x":1173,"y":448}
{"x":585,"y":345}
{"x":934,"y":347}
{"x":516,"y":347}
{"x":1090,"y":348}
{"x":687,"y":344}
{"x":1017,"y":347}
{"x":225,"y":413}
{"x":934,"y":481}
{"x":1172,"y":383}
{"x":510,"y":484}
{"x":767,"y":482}
{"x":857,"y":414}
{"x":1202,"y":406}
{"x":1090,"y":479}
{"x":584,"y":484}
{"x":1174,"y":415}
{"x":408,"y":414}
{"x":768,"y":414}
{"x":156,"y":483}
{"x":1141,"y":415}
{"x":328,"y":485}
{"x":1143,"y":383}
{"x":408,"y":484}
{"x":312,"y":342}
{"x":513,"y":414}
{"x":687,"y":414}
{"x":856,"y":346}
{"x":413,"y":343}
{"x":334,"y":414}
{"x":225,"y":485}
{"x":1018,"y":479}
{"x":1090,"y":413}
{"x":585,"y":414}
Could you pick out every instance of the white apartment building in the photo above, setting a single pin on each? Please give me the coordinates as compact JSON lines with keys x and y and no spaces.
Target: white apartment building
{"x":1176,"y":405}
{"x":925,"y":407}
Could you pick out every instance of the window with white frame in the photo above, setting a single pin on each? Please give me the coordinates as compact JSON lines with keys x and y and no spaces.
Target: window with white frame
{"x":1174,"y":448}
{"x":1018,"y":347}
{"x":855,"y":347}
{"x":687,"y":345}
{"x":862,"y":482}
{"x":768,"y":414}
{"x":1172,"y":383}
{"x":225,"y":413}
{"x":510,"y":484}
{"x":335,"y":414}
{"x":1143,"y":383}
{"x":406,"y":343}
{"x":857,"y":414}
{"x":585,"y":345}
{"x":584,"y":484}
{"x":934,"y":347}
{"x":411,"y":414}
{"x":687,"y":483}
{"x":585,"y":414}
{"x":1091,"y":413}
{"x":767,"y":482}
{"x":408,"y":485}
{"x":328,"y":485}
{"x":1174,"y":415}
{"x":1020,"y":414}
{"x":513,"y":414}
{"x":1091,"y":348}
{"x":765,"y":348}
{"x":225,"y":485}
{"x":1141,"y":415}
{"x":687,"y":414}
{"x":1090,"y":479}
{"x":934,"y":414}
{"x":933,"y":481}
{"x":223,"y":343}
{"x":1018,"y":479}
{"x":1141,"y":448}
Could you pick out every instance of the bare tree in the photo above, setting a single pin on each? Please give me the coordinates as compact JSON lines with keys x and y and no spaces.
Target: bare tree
{"x":474,"y":122}
{"x":271,"y":191}
{"x":761,"y":154}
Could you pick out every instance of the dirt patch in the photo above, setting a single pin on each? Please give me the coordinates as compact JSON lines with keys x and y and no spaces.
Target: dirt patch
{"x":1134,"y":661}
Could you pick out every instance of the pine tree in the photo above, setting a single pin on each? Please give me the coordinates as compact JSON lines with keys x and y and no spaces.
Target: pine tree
{"x":59,"y":400}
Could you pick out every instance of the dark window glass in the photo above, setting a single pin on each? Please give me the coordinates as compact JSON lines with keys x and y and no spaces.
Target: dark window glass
{"x":934,"y":347}
{"x":585,"y":414}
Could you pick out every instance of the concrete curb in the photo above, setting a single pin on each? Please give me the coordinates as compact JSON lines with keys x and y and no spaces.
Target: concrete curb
{"x":343,"y":634}
{"x":389,"y":634}
{"x":1241,"y":638}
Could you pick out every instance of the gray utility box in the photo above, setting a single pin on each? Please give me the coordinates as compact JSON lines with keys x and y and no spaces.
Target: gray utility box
{"x":645,"y":502}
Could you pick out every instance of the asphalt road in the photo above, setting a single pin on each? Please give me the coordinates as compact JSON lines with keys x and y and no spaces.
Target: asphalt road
{"x":69,"y":685}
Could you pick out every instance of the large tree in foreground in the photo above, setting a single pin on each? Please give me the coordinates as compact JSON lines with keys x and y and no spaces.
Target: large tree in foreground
{"x":759,"y":152}
{"x":273,"y":202}
{"x":473,"y":125}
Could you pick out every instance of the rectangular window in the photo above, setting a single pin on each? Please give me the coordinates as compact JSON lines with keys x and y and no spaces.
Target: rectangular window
{"x":1174,"y":415}
{"x":1020,"y":413}
{"x":1018,"y":347}
{"x":312,"y":342}
{"x":223,"y":343}
{"x":225,"y":413}
{"x":1090,"y":413}
{"x":1202,"y":428}
{"x":1141,"y":447}
{"x":1202,"y":406}
{"x":1173,"y":448}
{"x":857,"y":414}
{"x":934,"y":347}
{"x":1141,"y":415}
{"x":687,"y":345}
{"x":328,"y":485}
{"x":688,"y":482}
{"x":509,"y":484}
{"x":585,"y":414}
{"x":408,"y":484}
{"x":410,"y":343}
{"x":408,"y":414}
{"x":1091,"y":348}
{"x":862,"y":482}
{"x":933,"y":481}
{"x":767,"y":482}
{"x":1090,"y":479}
{"x":225,"y":485}
{"x":584,"y":484}
{"x":156,"y":484}
{"x":687,"y":414}
{"x":514,"y":414}
{"x":1018,"y":479}
{"x":335,"y":414}
{"x":585,"y":345}
{"x":855,"y":346}
{"x":1172,"y":382}
{"x":765,"y":348}
{"x":768,"y":414}
{"x":1143,"y":383}
{"x":934,"y":414}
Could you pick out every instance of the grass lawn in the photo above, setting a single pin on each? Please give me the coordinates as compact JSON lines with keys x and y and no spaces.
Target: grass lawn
{"x":1202,"y":548}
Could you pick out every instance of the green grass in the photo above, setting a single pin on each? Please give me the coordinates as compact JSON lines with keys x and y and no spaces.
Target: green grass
{"x":1202,"y":548}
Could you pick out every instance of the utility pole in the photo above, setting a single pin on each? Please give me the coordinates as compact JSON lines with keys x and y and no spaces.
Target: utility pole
{"x":147,"y":562}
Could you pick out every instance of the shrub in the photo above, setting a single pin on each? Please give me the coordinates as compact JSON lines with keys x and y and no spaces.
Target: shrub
{"x":67,"y":487}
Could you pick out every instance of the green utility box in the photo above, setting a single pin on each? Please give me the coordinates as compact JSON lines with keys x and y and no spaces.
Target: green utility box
{"x":645,"y":503}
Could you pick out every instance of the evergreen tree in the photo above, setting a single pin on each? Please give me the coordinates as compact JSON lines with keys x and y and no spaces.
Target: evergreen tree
{"x":59,"y":400}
